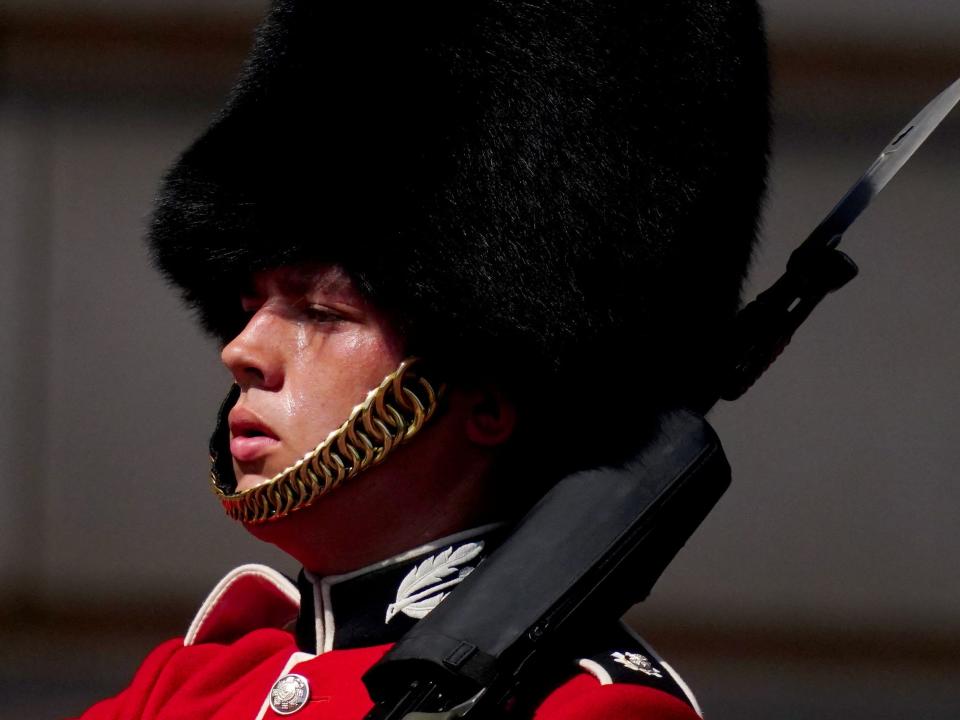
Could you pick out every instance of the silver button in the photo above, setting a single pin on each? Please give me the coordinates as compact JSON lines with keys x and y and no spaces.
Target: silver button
{"x":289,"y":694}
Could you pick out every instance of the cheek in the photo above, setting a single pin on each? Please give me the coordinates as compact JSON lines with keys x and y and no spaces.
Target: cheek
{"x":329,"y":374}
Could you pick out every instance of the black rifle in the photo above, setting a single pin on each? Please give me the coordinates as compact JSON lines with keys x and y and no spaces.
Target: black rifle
{"x":598,"y":541}
{"x":593,"y":546}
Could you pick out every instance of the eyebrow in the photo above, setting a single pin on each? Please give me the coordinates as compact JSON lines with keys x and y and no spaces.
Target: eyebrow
{"x":301,"y":282}
{"x":332,"y":282}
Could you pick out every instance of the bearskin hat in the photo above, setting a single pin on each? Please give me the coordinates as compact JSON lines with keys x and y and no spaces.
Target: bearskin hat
{"x":561,"y":194}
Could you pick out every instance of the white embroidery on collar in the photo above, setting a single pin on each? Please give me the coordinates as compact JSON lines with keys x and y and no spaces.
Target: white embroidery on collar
{"x":323,"y":607}
{"x":427,"y":585}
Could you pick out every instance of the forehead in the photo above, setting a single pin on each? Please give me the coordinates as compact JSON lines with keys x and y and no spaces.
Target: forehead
{"x":330,"y":281}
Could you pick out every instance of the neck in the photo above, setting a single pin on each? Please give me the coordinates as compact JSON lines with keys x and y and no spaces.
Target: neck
{"x":424,"y":492}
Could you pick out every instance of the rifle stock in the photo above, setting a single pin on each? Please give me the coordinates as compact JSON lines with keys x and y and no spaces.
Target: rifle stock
{"x":592,"y":547}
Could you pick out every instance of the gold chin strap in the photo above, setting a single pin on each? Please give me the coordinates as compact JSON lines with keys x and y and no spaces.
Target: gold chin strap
{"x":390,"y":415}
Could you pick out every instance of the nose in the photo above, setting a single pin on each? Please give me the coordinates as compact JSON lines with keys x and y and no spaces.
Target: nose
{"x":255,"y":356}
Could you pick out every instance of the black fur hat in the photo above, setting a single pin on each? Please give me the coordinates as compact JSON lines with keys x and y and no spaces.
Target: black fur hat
{"x":562,"y":192}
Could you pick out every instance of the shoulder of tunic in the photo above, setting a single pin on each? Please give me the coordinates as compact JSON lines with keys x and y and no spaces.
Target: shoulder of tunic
{"x":622,"y":677}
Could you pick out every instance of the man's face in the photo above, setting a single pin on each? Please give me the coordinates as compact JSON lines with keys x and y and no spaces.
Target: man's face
{"x":311,"y":350}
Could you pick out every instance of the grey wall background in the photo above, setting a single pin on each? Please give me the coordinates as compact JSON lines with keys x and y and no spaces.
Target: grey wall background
{"x":825,"y":584}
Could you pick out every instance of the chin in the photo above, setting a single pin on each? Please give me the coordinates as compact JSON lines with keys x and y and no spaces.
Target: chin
{"x":258,"y":471}
{"x":251,"y":474}
{"x":249,"y":481}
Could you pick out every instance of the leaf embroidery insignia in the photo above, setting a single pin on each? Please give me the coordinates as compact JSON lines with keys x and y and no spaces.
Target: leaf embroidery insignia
{"x":427,"y":584}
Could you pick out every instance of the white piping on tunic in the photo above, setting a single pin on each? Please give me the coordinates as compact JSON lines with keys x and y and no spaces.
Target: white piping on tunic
{"x":274,"y":578}
{"x":683,"y":686}
{"x":597,"y":670}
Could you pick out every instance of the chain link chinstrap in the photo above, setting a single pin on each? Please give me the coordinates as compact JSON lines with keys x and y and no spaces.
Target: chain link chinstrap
{"x":391,"y":414}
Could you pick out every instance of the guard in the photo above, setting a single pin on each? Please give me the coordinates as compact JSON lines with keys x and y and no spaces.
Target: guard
{"x":452,"y":253}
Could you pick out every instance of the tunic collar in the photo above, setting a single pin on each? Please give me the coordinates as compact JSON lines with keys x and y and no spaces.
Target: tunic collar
{"x":379,"y":603}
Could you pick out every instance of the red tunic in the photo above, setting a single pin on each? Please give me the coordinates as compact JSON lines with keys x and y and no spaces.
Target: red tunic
{"x":227,"y":682}
{"x":240,"y":645}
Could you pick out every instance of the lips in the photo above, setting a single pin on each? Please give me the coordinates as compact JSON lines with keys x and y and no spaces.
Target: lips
{"x":250,"y":437}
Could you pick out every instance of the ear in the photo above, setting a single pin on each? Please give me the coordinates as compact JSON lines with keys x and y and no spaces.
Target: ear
{"x":491,"y":416}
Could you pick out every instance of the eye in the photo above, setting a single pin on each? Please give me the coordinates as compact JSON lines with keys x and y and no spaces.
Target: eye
{"x":321,"y":313}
